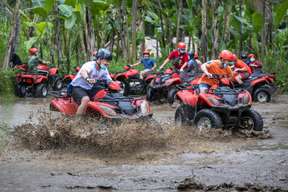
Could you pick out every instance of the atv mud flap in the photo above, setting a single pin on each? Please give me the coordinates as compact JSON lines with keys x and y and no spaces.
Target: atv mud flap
{"x":231,"y":114}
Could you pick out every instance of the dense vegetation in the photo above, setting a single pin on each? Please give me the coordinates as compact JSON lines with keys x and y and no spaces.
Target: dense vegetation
{"x":68,"y":31}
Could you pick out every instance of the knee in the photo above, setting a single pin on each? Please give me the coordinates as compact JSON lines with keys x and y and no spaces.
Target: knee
{"x":85,"y":100}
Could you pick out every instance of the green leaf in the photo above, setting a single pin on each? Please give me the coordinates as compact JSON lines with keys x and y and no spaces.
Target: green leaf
{"x":257,"y":21}
{"x":65,"y":10}
{"x":28,"y":44}
{"x":280,"y":11}
{"x":41,"y":26}
{"x":40,"y":11}
{"x":70,"y":22}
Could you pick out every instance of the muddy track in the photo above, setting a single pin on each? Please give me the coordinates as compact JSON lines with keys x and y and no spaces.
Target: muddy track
{"x":185,"y":163}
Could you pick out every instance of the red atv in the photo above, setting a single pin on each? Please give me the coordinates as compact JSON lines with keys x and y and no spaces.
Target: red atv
{"x":131,"y":82}
{"x":108,"y":103}
{"x":31,"y":85}
{"x":54,"y":80}
{"x":68,"y":78}
{"x":162,"y":84}
{"x":221,"y":107}
{"x":261,"y":86}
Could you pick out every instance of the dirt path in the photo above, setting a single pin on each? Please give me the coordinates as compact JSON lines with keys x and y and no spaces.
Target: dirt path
{"x":208,"y":161}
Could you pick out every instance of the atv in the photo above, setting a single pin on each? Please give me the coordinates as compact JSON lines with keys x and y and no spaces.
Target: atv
{"x":220,"y":107}
{"x":131,"y":82}
{"x":54,"y":80}
{"x":69,"y":77}
{"x":261,"y":86}
{"x":31,"y":85}
{"x":162,"y":83}
{"x":107,"y":103}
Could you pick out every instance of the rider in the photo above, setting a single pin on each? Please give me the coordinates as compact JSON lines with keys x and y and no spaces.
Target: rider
{"x":179,"y":57}
{"x":194,"y":64}
{"x":220,"y":66}
{"x":253,"y":63}
{"x":33,"y":59}
{"x":241,"y":70}
{"x":149,"y":64}
{"x":83,"y":84}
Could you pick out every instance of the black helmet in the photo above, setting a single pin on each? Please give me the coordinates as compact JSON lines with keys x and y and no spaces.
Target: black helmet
{"x":104,"y":54}
{"x":243,"y":55}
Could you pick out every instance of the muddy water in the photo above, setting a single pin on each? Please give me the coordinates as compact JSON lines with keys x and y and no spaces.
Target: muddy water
{"x":210,"y":161}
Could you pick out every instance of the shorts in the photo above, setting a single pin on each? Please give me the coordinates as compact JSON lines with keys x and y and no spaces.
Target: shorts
{"x":146,"y":70}
{"x":78,"y":93}
{"x":203,"y":86}
{"x":243,"y":75}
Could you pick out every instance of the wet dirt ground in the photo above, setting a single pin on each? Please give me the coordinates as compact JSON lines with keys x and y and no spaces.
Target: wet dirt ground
{"x":209,"y":161}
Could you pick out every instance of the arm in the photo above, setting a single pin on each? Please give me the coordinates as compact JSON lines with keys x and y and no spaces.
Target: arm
{"x":164,"y":63}
{"x":84,"y":71}
{"x":154,"y":67}
{"x":135,"y":64}
{"x":183,"y":66}
{"x":205,"y":70}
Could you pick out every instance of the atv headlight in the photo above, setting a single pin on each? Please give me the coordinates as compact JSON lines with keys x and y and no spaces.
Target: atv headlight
{"x":108,"y":111}
{"x":244,"y":100}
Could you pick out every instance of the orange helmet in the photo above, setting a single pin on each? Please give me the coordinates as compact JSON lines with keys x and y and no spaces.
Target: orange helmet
{"x":226,"y":55}
{"x":33,"y":50}
{"x":251,"y":55}
{"x":146,"y":52}
{"x":181,"y":45}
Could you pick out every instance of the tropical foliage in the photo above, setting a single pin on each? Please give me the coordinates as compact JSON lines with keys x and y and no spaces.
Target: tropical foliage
{"x":68,"y":31}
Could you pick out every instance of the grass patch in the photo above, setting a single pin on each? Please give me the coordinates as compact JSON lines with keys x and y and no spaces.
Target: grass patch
{"x":4,"y":133}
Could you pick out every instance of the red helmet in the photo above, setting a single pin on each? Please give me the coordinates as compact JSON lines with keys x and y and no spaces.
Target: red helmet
{"x":226,"y":55}
{"x":251,"y":55}
{"x":196,"y":56}
{"x":181,"y":45}
{"x":33,"y":50}
{"x":234,"y":57}
{"x":146,"y":52}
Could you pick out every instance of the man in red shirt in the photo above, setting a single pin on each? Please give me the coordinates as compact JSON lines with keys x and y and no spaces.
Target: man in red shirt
{"x":179,"y":57}
{"x":241,"y":70}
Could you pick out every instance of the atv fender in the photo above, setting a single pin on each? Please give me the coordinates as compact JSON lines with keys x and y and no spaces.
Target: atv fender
{"x":40,"y":79}
{"x":104,"y":109}
{"x":187,"y":98}
{"x":64,"y":105}
{"x":271,"y":89}
{"x":173,"y":81}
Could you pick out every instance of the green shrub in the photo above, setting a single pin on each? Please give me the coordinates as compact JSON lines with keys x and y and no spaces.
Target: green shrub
{"x":7,"y":82}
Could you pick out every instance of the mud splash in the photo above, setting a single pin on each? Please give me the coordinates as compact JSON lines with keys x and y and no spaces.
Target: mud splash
{"x":191,"y":184}
{"x":101,"y":135}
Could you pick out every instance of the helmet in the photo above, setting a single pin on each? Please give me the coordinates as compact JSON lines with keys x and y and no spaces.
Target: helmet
{"x":146,"y":52}
{"x":251,"y":55}
{"x":243,"y":55}
{"x":226,"y":55}
{"x":196,"y":56}
{"x":104,"y":54}
{"x":234,"y":57}
{"x":33,"y":50}
{"x":181,"y":45}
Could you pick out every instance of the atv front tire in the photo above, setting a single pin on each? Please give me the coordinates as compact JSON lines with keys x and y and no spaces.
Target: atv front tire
{"x":251,"y":120}
{"x":41,"y":90}
{"x":206,"y":118}
{"x":21,"y":90}
{"x":261,"y":96}
{"x":172,"y":95}
{"x":57,"y":84}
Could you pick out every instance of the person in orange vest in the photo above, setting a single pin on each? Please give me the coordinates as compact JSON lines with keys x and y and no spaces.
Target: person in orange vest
{"x":241,"y":70}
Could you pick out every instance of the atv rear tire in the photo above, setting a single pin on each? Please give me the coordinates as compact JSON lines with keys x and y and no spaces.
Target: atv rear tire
{"x":41,"y":90}
{"x":251,"y":120}
{"x":171,"y":96}
{"x":57,"y":84}
{"x":150,"y":94}
{"x":184,"y":115}
{"x":206,"y":118}
{"x":261,"y":96}
{"x":21,"y":90}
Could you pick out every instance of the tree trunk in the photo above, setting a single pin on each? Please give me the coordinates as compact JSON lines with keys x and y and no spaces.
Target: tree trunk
{"x":179,"y":15}
{"x":122,"y":29}
{"x":58,"y":41}
{"x":215,"y":29}
{"x":227,"y":19}
{"x":133,"y":28}
{"x":241,"y":27}
{"x":89,"y":34}
{"x":264,"y":30}
{"x":204,"y":30}
{"x":163,"y":33}
{"x":12,"y":37}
